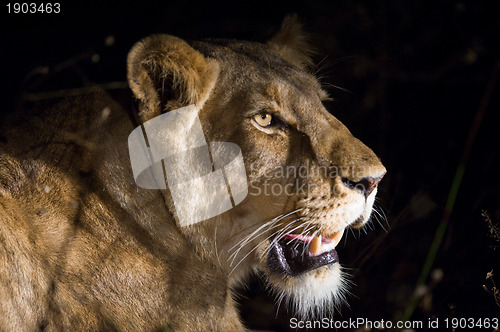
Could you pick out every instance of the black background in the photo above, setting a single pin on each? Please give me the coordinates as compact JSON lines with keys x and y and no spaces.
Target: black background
{"x":412,"y":75}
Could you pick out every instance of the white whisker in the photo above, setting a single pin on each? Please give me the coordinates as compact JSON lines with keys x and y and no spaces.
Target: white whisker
{"x":253,"y":249}
{"x":313,"y":235}
{"x":215,"y":244}
{"x":282,"y":232}
{"x":271,"y":224}
{"x":305,"y":231}
{"x":249,"y":238}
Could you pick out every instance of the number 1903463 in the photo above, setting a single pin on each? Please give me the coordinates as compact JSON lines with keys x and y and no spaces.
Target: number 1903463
{"x":33,"y":8}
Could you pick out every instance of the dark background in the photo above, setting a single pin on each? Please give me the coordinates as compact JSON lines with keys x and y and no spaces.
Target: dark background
{"x":408,"y":79}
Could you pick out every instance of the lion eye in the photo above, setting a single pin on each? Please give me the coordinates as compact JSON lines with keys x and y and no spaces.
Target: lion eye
{"x":263,"y":119}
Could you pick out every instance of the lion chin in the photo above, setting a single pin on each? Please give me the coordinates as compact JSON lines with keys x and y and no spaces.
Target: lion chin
{"x":313,"y":294}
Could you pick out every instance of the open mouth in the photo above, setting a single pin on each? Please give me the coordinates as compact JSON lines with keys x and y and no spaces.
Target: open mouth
{"x":296,"y":254}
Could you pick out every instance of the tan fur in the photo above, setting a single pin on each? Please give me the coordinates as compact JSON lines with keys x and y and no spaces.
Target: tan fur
{"x":82,"y":248}
{"x":169,"y":62}
{"x":291,"y":43}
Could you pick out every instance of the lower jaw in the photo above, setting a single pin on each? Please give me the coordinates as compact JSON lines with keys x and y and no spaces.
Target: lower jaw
{"x":295,"y":260}
{"x":317,"y":293}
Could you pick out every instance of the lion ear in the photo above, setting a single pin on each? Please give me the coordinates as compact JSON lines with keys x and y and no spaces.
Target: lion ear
{"x":291,"y":43}
{"x":165,"y":73}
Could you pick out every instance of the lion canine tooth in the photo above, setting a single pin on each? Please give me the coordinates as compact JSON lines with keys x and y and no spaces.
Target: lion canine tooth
{"x":336,"y":237}
{"x":315,"y":245}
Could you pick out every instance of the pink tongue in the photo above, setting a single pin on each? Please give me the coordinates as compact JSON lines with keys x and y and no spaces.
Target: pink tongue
{"x":305,"y":238}
{"x":315,"y":243}
{"x":299,"y":237}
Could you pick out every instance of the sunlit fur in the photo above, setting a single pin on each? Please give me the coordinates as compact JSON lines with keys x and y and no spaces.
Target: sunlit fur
{"x":86,"y":249}
{"x":316,"y":294}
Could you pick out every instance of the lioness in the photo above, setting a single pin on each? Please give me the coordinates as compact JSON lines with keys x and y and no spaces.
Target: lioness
{"x":83,"y":248}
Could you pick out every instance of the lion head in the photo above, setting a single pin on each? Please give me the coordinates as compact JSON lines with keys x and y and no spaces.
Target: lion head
{"x":309,"y":178}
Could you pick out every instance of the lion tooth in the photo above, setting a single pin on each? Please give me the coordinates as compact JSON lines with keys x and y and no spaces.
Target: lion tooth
{"x":336,"y":237}
{"x":315,"y":245}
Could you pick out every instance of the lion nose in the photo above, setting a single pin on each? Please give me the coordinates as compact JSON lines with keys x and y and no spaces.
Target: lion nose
{"x":366,"y":185}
